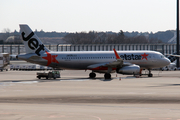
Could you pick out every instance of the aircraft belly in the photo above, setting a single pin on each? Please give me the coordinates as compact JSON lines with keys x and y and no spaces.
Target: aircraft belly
{"x":44,"y":63}
{"x":75,"y":64}
{"x":81,"y":64}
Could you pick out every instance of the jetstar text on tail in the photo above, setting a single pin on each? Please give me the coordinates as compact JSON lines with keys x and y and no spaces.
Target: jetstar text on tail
{"x":33,"y":43}
{"x":134,"y":57}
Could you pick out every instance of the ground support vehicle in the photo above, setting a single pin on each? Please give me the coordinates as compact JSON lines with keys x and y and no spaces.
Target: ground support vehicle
{"x":52,"y":74}
{"x":4,"y":61}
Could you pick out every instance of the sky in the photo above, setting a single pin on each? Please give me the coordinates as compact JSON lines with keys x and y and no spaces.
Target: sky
{"x":89,"y":15}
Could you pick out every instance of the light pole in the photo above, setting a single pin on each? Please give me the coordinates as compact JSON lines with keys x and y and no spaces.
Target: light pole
{"x":177,"y":33}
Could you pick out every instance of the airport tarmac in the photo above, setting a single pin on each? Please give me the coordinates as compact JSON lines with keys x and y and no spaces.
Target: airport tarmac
{"x":76,"y":97}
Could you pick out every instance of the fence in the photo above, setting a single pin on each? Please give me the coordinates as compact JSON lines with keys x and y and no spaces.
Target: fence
{"x":163,"y":48}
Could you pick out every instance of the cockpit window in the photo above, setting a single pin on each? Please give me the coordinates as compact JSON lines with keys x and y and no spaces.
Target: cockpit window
{"x":162,"y":56}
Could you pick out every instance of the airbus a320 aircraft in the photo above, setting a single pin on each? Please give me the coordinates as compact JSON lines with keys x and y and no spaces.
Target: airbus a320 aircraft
{"x":122,"y":62}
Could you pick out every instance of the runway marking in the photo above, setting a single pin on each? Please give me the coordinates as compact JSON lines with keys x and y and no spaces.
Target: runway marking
{"x":56,"y":116}
{"x":97,"y":117}
{"x":160,"y":118}
{"x":4,"y":84}
{"x":76,"y":80}
{"x":14,"y":82}
{"x":28,"y":82}
{"x":74,"y":116}
{"x":128,"y":77}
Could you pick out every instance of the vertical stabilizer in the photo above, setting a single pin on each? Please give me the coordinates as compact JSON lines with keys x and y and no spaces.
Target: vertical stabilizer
{"x":31,"y":42}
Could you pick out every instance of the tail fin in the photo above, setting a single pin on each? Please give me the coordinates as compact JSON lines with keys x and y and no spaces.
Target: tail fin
{"x":31,"y":42}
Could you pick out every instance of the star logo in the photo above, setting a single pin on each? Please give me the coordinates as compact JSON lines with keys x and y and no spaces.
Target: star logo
{"x":144,"y":56}
{"x":50,"y":58}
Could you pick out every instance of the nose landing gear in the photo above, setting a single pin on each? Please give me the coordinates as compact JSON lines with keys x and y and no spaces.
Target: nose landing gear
{"x":150,"y":74}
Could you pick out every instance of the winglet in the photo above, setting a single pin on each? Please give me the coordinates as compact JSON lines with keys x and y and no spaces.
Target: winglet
{"x":116,"y":54}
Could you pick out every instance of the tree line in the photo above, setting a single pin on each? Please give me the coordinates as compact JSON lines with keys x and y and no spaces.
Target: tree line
{"x":93,"y":37}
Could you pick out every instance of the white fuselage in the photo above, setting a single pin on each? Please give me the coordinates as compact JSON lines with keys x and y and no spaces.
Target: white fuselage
{"x":83,"y":59}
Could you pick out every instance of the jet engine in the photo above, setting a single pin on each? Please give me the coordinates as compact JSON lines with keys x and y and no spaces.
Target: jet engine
{"x":131,"y":69}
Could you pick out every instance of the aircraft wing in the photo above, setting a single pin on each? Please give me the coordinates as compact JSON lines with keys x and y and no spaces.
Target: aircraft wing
{"x":115,"y":64}
{"x":173,"y":55}
{"x":97,"y":65}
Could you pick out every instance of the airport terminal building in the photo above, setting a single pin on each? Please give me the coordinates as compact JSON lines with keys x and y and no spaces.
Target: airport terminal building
{"x":163,"y":48}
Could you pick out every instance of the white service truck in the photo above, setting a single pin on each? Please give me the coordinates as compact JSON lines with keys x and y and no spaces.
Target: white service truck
{"x":4,"y":61}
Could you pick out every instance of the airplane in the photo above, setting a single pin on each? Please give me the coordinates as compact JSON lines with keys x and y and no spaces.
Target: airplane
{"x":107,"y":62}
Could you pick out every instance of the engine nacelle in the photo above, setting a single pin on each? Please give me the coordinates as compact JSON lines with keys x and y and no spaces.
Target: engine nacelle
{"x":131,"y":69}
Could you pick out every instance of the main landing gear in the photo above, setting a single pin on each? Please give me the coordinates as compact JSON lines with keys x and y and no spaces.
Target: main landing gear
{"x":150,"y":74}
{"x":106,"y":75}
{"x":92,"y":75}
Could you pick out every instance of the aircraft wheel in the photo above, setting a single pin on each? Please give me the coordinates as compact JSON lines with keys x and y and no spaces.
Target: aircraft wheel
{"x":150,"y":75}
{"x":92,"y":75}
{"x":107,"y":76}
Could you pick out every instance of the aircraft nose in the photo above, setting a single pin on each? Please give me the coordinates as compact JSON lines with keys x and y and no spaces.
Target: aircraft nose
{"x":167,"y":61}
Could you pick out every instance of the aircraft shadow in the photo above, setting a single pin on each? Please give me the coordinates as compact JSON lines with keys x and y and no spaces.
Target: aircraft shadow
{"x":53,"y":80}
{"x":74,"y":79}
{"x":84,"y":79}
